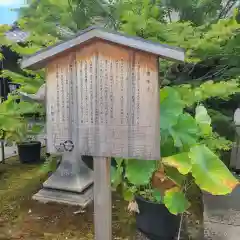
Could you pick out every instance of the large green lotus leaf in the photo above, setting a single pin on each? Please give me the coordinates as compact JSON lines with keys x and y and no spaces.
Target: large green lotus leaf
{"x":175,"y":201}
{"x":203,"y":119}
{"x":167,"y":147}
{"x":173,"y":174}
{"x":185,"y":132}
{"x":139,"y":172}
{"x":180,"y":161}
{"x":171,"y":106}
{"x":210,"y":173}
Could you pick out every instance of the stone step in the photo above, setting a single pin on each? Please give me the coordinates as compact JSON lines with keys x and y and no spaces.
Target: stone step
{"x":65,"y":197}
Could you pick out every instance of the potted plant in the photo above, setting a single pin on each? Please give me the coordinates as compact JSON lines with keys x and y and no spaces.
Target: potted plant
{"x":156,"y":190}
{"x":17,"y":130}
{"x":29,"y":149}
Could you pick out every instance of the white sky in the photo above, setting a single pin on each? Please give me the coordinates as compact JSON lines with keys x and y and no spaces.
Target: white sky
{"x":11,"y":2}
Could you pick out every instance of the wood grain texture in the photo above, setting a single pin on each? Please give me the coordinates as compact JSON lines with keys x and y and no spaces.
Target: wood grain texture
{"x":102,"y":199}
{"x":116,"y":101}
{"x":60,"y":107}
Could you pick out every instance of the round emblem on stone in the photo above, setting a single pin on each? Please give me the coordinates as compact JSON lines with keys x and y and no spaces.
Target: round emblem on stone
{"x":68,"y":145}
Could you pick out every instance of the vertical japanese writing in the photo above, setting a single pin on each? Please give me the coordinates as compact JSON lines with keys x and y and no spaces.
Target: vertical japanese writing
{"x":133,"y":95}
{"x":81,"y":90}
{"x":122,"y":90}
{"x":72,"y":68}
{"x":91,"y":91}
{"x":111,"y":90}
{"x":62,"y":95}
{"x":58,"y":90}
{"x":101,"y":92}
{"x":56,"y":124}
{"x":138,"y":92}
{"x":96,"y":92}
{"x":76,"y":100}
{"x":71,"y":93}
{"x":106,"y":111}
{"x":86,"y":103}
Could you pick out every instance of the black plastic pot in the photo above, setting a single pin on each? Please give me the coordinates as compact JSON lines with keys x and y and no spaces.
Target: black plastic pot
{"x":88,"y":160}
{"x":29,"y":152}
{"x":155,"y":221}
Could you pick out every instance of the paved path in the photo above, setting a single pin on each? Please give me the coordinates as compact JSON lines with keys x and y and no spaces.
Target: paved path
{"x":222,"y":216}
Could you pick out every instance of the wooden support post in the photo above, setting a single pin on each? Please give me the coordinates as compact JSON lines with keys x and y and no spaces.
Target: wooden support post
{"x":102,"y":199}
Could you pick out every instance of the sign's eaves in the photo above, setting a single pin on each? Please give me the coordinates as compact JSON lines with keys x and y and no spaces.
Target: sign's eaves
{"x":39,"y":59}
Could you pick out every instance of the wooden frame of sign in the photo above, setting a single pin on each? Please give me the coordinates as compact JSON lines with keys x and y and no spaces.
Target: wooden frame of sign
{"x":108,"y":85}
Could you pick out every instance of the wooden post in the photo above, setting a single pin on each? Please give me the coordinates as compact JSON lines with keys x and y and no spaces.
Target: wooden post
{"x":102,"y":199}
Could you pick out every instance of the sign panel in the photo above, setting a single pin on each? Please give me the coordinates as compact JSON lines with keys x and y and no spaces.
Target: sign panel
{"x":105,"y":99}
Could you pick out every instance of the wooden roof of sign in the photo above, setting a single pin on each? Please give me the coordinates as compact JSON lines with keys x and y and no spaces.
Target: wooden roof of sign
{"x":40,"y":59}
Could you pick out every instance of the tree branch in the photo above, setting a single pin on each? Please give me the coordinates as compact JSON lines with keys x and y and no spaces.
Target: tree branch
{"x":223,"y":11}
{"x":169,"y":15}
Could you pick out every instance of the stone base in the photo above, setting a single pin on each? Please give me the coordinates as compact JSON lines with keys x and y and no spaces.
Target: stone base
{"x":71,"y":183}
{"x":65,"y":197}
{"x":66,"y":178}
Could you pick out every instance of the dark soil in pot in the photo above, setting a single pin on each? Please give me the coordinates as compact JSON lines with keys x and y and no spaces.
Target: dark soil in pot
{"x":155,"y":221}
{"x":29,"y":152}
{"x":88,"y":160}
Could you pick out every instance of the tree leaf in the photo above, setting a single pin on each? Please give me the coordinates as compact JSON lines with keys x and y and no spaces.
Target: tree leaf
{"x":173,"y":174}
{"x":171,"y":106}
{"x":128,"y":192}
{"x":180,"y":161}
{"x":36,"y":129}
{"x":139,"y":172}
{"x":185,"y":132}
{"x":157,"y":195}
{"x":203,"y":120}
{"x":175,"y":201}
{"x":210,"y":172}
{"x":116,"y":176}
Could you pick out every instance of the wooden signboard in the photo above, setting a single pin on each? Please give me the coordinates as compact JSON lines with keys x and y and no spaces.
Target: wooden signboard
{"x":108,"y":94}
{"x":103,"y":101}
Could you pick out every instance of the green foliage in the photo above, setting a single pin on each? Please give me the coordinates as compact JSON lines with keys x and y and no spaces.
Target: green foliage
{"x":209,"y":172}
{"x":50,"y":165}
{"x":12,"y":120}
{"x":203,"y":120}
{"x":175,"y":201}
{"x":223,"y":90}
{"x":29,"y":84}
{"x":116,"y":176}
{"x":172,"y":107}
{"x":139,"y":172}
{"x":180,"y":161}
{"x":186,"y":155}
